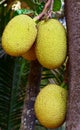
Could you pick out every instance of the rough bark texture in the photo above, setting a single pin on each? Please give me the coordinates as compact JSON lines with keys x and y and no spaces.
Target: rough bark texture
{"x":28,"y":116}
{"x":72,"y":10}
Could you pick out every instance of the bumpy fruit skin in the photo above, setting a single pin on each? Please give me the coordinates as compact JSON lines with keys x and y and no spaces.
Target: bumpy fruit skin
{"x":50,"y":106}
{"x":30,"y":54}
{"x":51,"y":46}
{"x":19,"y":35}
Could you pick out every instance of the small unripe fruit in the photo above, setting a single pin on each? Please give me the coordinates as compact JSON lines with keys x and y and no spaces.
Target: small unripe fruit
{"x":30,"y":54}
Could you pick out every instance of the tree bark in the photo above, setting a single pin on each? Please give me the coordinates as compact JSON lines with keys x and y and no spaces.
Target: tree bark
{"x":28,"y":115}
{"x":72,"y":11}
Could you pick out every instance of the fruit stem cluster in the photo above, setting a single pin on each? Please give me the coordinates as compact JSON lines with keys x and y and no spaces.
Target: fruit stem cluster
{"x":47,"y":11}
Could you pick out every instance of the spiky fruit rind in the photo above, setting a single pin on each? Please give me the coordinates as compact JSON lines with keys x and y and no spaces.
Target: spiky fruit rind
{"x":19,"y":35}
{"x":51,"y":46}
{"x":50,"y":106}
{"x":30,"y":54}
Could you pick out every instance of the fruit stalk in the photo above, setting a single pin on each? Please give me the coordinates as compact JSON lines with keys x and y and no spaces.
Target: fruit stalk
{"x":49,"y":4}
{"x":28,"y":116}
{"x":50,"y":9}
{"x":72,"y":9}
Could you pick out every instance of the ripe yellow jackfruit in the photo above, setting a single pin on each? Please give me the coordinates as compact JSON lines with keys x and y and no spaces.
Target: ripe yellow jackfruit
{"x":19,"y":35}
{"x":30,"y":54}
{"x":50,"y":106}
{"x":51,"y":46}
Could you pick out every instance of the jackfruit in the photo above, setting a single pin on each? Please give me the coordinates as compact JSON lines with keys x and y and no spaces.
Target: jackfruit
{"x":51,"y":45}
{"x":51,"y":105}
{"x":19,"y":35}
{"x":30,"y":54}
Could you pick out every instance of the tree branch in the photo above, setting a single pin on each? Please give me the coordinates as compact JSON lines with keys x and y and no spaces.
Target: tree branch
{"x":72,"y":10}
{"x":28,"y":116}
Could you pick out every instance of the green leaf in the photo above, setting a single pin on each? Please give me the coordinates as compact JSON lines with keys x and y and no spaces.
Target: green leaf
{"x":12,"y":91}
{"x":57,"y":5}
{"x":6,"y":73}
{"x":23,"y":11}
{"x":17,"y":95}
{"x":40,"y":7}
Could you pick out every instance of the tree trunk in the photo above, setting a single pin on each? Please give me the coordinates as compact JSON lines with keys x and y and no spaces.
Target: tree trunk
{"x":72,"y":10}
{"x":28,"y":116}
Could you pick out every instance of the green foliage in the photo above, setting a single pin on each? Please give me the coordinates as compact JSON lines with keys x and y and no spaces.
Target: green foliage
{"x":1,"y":19}
{"x":12,"y":92}
{"x":6,"y":73}
{"x":23,"y":11}
{"x":57,"y":5}
{"x":40,"y":7}
{"x":17,"y":95}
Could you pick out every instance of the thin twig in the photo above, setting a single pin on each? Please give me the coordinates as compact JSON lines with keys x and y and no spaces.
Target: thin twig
{"x":33,"y":86}
{"x":48,"y":3}
{"x":50,"y":9}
